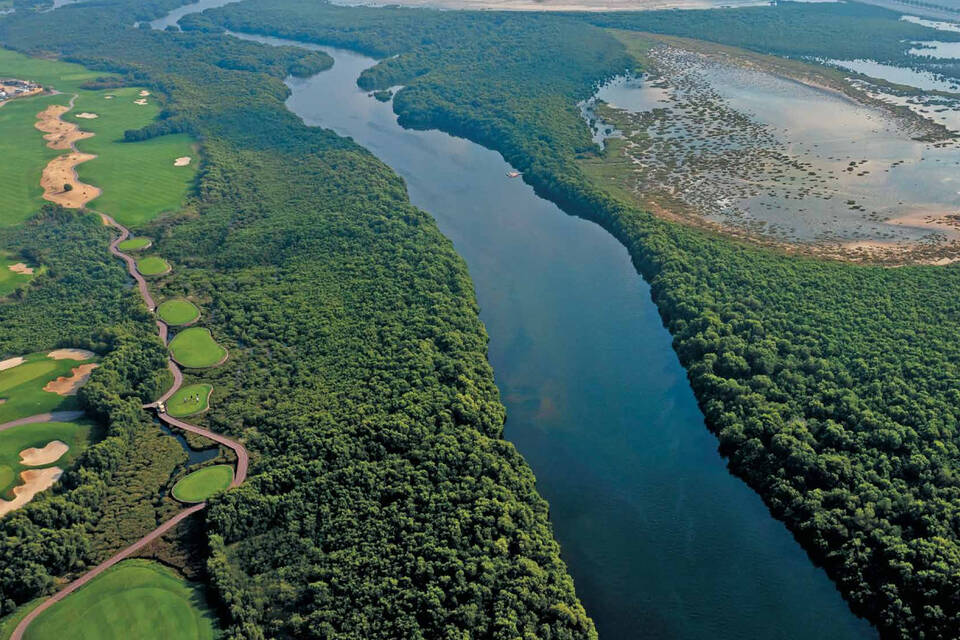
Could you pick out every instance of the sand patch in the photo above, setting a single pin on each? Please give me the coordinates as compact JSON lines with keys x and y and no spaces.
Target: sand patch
{"x":34,"y":457}
{"x":10,"y":363}
{"x":71,"y":354}
{"x":59,"y":134}
{"x":108,"y":97}
{"x":144,"y":93}
{"x":141,"y":101}
{"x":69,"y":385}
{"x":61,"y":172}
{"x":180,"y":162}
{"x":21,"y":267}
{"x":87,"y":116}
{"x":34,"y":481}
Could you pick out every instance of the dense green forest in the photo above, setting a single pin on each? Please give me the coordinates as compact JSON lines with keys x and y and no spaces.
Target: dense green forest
{"x":831,"y":387}
{"x":383,"y":501}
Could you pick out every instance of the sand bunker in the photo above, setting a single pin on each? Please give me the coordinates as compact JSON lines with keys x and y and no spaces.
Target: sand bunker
{"x":181,"y":161}
{"x":71,"y":354}
{"x":61,"y":172}
{"x":21,"y":267}
{"x":108,"y":97}
{"x":144,"y":93}
{"x":34,"y":481}
{"x":87,"y":116}
{"x":68,"y":386}
{"x":10,"y":363}
{"x":52,"y":452}
{"x":141,"y":101}
{"x":59,"y":134}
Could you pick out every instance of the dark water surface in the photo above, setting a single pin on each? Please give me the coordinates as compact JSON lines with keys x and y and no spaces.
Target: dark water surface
{"x":661,"y":540}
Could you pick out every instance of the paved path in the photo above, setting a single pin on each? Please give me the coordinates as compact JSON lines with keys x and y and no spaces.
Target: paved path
{"x":53,"y":416}
{"x":239,"y":475}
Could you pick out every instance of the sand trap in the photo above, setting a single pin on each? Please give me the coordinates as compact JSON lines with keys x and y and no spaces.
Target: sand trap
{"x":34,"y":481}
{"x":21,"y":267}
{"x":52,"y":452}
{"x":144,"y":93}
{"x":10,"y":363}
{"x":141,"y":101}
{"x":180,"y":162}
{"x":60,"y":135}
{"x":108,"y":97}
{"x":71,"y":354}
{"x":60,"y":171}
{"x":87,"y":116}
{"x":68,"y":386}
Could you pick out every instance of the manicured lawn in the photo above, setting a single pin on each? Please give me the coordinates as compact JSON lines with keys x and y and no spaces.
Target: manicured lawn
{"x":135,"y":599}
{"x":138,"y":179}
{"x":21,"y":387}
{"x":135,"y":244}
{"x":176,"y":312}
{"x":200,"y":485}
{"x":195,"y":348}
{"x":152,"y":266}
{"x":76,"y":435}
{"x":9,"y":281}
{"x":189,"y":400}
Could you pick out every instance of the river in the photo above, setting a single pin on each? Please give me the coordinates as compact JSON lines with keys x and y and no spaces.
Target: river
{"x":661,"y":540}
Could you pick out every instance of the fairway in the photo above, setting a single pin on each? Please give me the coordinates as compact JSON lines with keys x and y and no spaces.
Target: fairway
{"x":189,"y":400}
{"x":10,"y":280}
{"x":152,"y":266}
{"x":136,"y":599}
{"x":195,"y":348}
{"x":135,"y":244}
{"x":76,"y":435}
{"x":200,"y":485}
{"x":178,"y":312}
{"x":21,"y":387}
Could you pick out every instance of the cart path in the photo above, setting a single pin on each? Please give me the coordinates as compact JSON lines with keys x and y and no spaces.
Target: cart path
{"x":239,"y":475}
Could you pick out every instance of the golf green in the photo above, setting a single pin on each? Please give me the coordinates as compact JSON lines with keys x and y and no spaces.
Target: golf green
{"x":178,"y":312}
{"x":21,"y":387}
{"x":135,"y":599}
{"x":11,"y":280}
{"x":76,"y":435}
{"x":189,"y":400}
{"x":135,"y":244}
{"x":201,"y":484}
{"x":152,"y":266}
{"x":195,"y":348}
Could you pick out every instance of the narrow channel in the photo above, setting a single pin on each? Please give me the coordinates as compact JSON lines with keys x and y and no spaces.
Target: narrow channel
{"x":661,"y":540}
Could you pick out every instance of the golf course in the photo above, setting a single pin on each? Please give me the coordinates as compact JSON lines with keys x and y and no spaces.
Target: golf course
{"x":195,"y":348}
{"x":39,"y":384}
{"x":178,"y":312}
{"x":135,"y":244}
{"x":201,"y":484}
{"x":75,"y":435}
{"x":189,"y":400}
{"x":152,"y":266}
{"x":13,"y":274}
{"x":134,"y":599}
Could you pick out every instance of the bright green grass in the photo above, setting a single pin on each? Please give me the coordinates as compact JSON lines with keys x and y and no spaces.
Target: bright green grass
{"x":135,"y":599}
{"x":176,"y":312}
{"x":135,"y":244}
{"x":10,"y":622}
{"x":76,"y":435}
{"x":64,"y":76}
{"x":138,"y":179}
{"x":152,"y":266}
{"x":9,"y":280}
{"x":195,"y":348}
{"x":22,"y":387}
{"x":200,"y":485}
{"x":189,"y":400}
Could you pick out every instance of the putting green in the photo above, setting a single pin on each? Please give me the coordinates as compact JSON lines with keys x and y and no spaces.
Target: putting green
{"x":178,"y":312}
{"x":135,"y":244}
{"x":195,"y":348}
{"x":200,"y":485}
{"x":11,"y":280}
{"x":135,"y":599}
{"x":21,"y":387}
{"x":152,"y":266}
{"x":76,"y":435}
{"x":189,"y":400}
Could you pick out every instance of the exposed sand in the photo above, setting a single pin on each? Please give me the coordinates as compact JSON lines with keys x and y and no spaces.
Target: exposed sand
{"x":59,"y":134}
{"x":71,"y":354}
{"x":34,"y":481}
{"x":10,"y":363}
{"x":21,"y":267}
{"x":144,"y":93}
{"x":48,"y":454}
{"x":60,"y":171}
{"x":108,"y":97}
{"x":68,"y":386}
{"x":87,"y":116}
{"x":141,"y":101}
{"x":182,"y":161}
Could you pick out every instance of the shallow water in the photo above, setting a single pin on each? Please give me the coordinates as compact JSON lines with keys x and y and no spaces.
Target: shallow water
{"x":661,"y":540}
{"x":936,"y":49}
{"x":933,"y":24}
{"x":174,"y":16}
{"x":194,"y":456}
{"x":900,"y":75}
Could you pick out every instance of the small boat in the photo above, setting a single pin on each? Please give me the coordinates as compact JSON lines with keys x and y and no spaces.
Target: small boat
{"x":514,"y":174}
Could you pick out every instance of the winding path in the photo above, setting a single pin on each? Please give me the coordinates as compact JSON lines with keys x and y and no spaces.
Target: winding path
{"x":239,"y":475}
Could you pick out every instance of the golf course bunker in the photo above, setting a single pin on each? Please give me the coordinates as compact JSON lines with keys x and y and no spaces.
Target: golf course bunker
{"x":60,"y":134}
{"x":71,"y":354}
{"x":9,"y":363}
{"x":59,"y":177}
{"x":87,"y":115}
{"x":201,"y":484}
{"x":195,"y":348}
{"x":34,"y":481}
{"x":70,"y":385}
{"x":39,"y":457}
{"x":178,"y":312}
{"x":141,"y":102}
{"x":182,"y":161}
{"x":190,"y":400}
{"x":153,"y":266}
{"x":139,"y":243}
{"x":21,"y":268}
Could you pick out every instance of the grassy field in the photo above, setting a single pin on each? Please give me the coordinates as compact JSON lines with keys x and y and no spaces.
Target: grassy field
{"x":189,"y":400}
{"x":135,"y":244}
{"x":21,"y":387}
{"x":152,"y":266}
{"x":9,"y":280}
{"x":76,"y":435}
{"x":200,"y":485}
{"x":135,"y":599}
{"x":195,"y":348}
{"x":177,"y":312}
{"x":138,"y":179}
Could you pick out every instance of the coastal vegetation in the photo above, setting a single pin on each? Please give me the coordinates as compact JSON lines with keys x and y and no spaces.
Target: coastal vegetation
{"x":177,"y":312}
{"x":203,"y":483}
{"x":195,"y":348}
